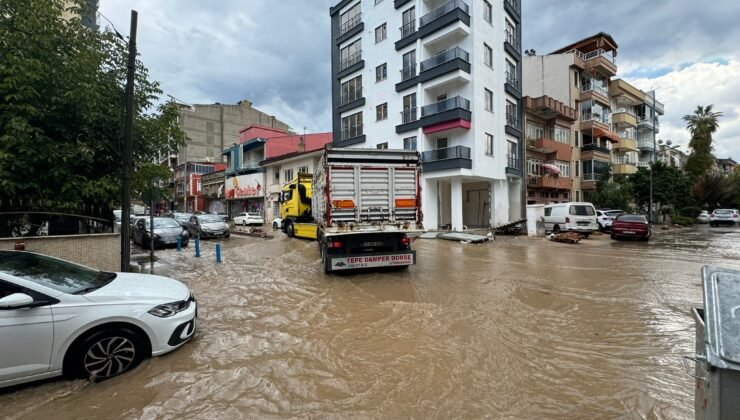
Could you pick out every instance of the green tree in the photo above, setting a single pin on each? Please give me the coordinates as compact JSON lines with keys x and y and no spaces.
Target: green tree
{"x":671,"y":186}
{"x":702,"y":124}
{"x":612,"y":194}
{"x":62,"y":107}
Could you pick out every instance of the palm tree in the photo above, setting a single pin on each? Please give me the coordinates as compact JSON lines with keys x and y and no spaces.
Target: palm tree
{"x":702,"y":124}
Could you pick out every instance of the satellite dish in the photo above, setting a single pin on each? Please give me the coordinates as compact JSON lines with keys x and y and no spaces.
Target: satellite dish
{"x":668,"y":142}
{"x":660,"y":141}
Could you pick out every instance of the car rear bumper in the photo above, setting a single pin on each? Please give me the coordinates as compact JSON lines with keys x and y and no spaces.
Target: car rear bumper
{"x":633,"y":233}
{"x":722,"y":222}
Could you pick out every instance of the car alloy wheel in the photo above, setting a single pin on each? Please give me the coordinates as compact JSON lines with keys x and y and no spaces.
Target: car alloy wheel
{"x":109,"y":357}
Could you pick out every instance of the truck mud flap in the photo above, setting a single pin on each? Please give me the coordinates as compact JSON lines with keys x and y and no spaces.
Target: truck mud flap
{"x":389,"y":259}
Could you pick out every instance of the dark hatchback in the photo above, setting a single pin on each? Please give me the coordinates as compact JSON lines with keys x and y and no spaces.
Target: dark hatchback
{"x":631,"y":226}
{"x":166,"y":232}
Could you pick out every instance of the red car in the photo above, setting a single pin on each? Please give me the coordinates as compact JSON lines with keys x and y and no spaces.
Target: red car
{"x":631,"y":226}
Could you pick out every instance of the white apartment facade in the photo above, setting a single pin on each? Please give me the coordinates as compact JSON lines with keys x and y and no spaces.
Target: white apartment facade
{"x":442,"y":77}
{"x":280,"y":171}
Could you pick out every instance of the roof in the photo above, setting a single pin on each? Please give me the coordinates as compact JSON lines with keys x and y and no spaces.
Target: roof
{"x":726,"y":161}
{"x":290,"y":156}
{"x":599,"y":40}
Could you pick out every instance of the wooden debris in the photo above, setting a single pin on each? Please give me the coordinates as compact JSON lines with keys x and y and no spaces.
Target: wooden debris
{"x":566,"y":237}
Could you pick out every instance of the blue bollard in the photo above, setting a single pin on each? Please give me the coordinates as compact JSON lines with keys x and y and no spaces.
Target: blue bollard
{"x":179,"y":244}
{"x":218,"y":253}
{"x":197,"y":247}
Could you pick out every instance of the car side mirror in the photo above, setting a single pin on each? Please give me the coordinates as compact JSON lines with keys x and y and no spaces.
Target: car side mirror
{"x":16,"y":300}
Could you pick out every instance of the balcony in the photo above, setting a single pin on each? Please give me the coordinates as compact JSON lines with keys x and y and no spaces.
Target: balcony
{"x":624,"y":168}
{"x":595,"y":151}
{"x":593,"y":91}
{"x":512,"y":8}
{"x":445,"y":57}
{"x":456,"y":157}
{"x":350,"y":61}
{"x":626,"y":144}
{"x":624,"y":118}
{"x":443,"y":115}
{"x":439,"y":65}
{"x":625,"y":93}
{"x":351,"y":132}
{"x":647,"y":123}
{"x":646,"y":144}
{"x":352,"y":23}
{"x":554,"y":150}
{"x":249,"y":165}
{"x":512,"y":84}
{"x":512,"y":120}
{"x":513,"y":165}
{"x":445,"y":105}
{"x":598,"y":60}
{"x":350,"y":97}
{"x":408,"y":72}
{"x":548,"y":108}
{"x":550,"y":182}
{"x":444,"y":15}
{"x":590,"y":121}
{"x":592,"y":177}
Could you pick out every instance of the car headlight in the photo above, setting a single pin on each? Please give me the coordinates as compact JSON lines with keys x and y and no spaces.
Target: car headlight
{"x":169,"y":309}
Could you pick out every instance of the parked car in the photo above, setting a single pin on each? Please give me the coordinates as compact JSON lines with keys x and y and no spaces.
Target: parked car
{"x":208,"y":226}
{"x":166,"y":232}
{"x":604,"y":218}
{"x":571,"y":217}
{"x":245,"y":219}
{"x":117,"y":214}
{"x":132,"y":224}
{"x":631,"y":226}
{"x":277,"y":223}
{"x":723,"y":217}
{"x":703,"y":217}
{"x":182,"y":218}
{"x":59,"y":317}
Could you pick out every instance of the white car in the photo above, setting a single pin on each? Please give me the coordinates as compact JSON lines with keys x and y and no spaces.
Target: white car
{"x":703,"y":217}
{"x":724,"y":217}
{"x":277,"y":223}
{"x":57,"y":317}
{"x":245,"y":219}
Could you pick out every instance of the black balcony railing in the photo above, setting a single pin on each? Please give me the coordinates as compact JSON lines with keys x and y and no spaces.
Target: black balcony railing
{"x":513,"y":162}
{"x":408,"y":29}
{"x":351,"y":96}
{"x":513,"y":3}
{"x":351,"y":23}
{"x":352,"y":132}
{"x":446,"y":105}
{"x":513,"y":121}
{"x":408,"y":115}
{"x":594,"y":147}
{"x":408,"y":72}
{"x":512,"y":79}
{"x":443,"y":10}
{"x":455,"y":152}
{"x":512,"y":39}
{"x":351,"y":60}
{"x":445,"y":57}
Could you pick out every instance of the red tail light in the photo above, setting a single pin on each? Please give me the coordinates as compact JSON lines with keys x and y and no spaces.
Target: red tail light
{"x":567,"y":220}
{"x":334,"y":244}
{"x":406,"y":240}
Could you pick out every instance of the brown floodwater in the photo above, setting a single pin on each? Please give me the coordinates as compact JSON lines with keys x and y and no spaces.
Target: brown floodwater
{"x":519,"y":328}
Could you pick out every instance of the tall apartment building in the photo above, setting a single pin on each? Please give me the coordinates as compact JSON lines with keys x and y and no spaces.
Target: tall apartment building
{"x":573,"y":101}
{"x":88,"y":13}
{"x":442,"y":77}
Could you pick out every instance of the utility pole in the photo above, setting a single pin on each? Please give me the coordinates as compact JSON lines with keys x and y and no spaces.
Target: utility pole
{"x":652,"y":159}
{"x":128,"y":148}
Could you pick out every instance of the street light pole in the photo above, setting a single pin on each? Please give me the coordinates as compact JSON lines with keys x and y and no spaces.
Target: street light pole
{"x":652,"y":160}
{"x":127,"y":149}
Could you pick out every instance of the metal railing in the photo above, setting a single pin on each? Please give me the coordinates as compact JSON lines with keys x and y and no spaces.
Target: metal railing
{"x":627,"y":134}
{"x":408,"y":115}
{"x":408,"y":29}
{"x":512,"y":40}
{"x":592,"y":177}
{"x":408,"y":72}
{"x":454,"y":152}
{"x":588,"y":87}
{"x":513,"y":3}
{"x":352,"y":132}
{"x":646,"y":144}
{"x":350,"y":97}
{"x":443,"y":10}
{"x":351,"y":60}
{"x":351,"y":23}
{"x":595,"y":147}
{"x":513,"y":121}
{"x":445,"y":57}
{"x":513,"y":162}
{"x":445,"y":105}
{"x":590,"y":116}
{"x":625,"y":110}
{"x":512,"y":79}
{"x":595,"y":54}
{"x":249,"y":164}
{"x":649,"y":122}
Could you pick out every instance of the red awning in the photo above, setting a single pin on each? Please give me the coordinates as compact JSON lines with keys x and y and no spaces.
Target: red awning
{"x":612,"y":137}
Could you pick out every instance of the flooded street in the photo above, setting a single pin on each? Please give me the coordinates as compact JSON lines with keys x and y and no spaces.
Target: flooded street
{"x":521,"y":328}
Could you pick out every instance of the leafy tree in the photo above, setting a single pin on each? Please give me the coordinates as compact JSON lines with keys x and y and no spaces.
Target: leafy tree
{"x":62,"y":107}
{"x":701,"y":125}
{"x":671,"y":186}
{"x":612,"y":194}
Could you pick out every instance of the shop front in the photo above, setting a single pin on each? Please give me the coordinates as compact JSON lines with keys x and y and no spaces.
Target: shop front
{"x":245,"y":193}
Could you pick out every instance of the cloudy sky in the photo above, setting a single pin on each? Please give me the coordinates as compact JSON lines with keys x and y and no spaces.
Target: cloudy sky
{"x":276,"y":52}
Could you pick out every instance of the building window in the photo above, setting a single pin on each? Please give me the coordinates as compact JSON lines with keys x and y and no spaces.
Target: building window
{"x":488,"y":100}
{"x":575,"y":78}
{"x":303,"y":170}
{"x":488,"y":55}
{"x":408,"y":22}
{"x":511,"y":36}
{"x":578,"y":140}
{"x":487,"y":11}
{"x":409,"y":109}
{"x":352,"y":126}
{"x":350,"y":19}
{"x":287,"y":175}
{"x":561,"y":135}
{"x":381,"y":33}
{"x":381,"y":112}
{"x":442,"y":143}
{"x":578,"y":196}
{"x":489,"y":144}
{"x":409,"y":143}
{"x":512,"y":116}
{"x":381,"y":72}
{"x":350,"y":55}
{"x":408,"y":69}
{"x":578,"y":168}
{"x":382,"y":145}
{"x":511,"y":76}
{"x":564,"y":167}
{"x":535,"y":131}
{"x":351,"y":90}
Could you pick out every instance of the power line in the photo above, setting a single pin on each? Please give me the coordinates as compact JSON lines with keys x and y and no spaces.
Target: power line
{"x":118,"y":34}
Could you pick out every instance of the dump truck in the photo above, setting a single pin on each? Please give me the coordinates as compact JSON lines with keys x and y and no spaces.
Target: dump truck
{"x":295,"y":208}
{"x":366,"y":204}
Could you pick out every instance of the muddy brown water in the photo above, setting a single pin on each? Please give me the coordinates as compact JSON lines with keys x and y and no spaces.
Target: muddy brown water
{"x":520,"y":328}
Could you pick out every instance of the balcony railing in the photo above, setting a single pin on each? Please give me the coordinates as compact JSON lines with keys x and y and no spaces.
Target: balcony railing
{"x":648,"y":122}
{"x":627,"y":134}
{"x":446,"y":105}
{"x":408,"y":29}
{"x":352,"y":132}
{"x":592,"y":177}
{"x":351,"y":60}
{"x":513,"y":3}
{"x":588,"y":87}
{"x":512,"y":79}
{"x":455,"y":152}
{"x":595,"y":54}
{"x":351,"y":23}
{"x":513,"y":162}
{"x":595,"y":147}
{"x":646,"y":144}
{"x":445,"y":57}
{"x":513,"y":121}
{"x":443,"y":10}
{"x":350,"y":97}
{"x":591,"y":116}
{"x":512,"y":40}
{"x":408,"y":115}
{"x":249,"y":164}
{"x":626,"y":111}
{"x":408,"y":72}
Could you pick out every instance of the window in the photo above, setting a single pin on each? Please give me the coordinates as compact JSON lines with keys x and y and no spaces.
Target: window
{"x":561,"y":135}
{"x":287,"y":175}
{"x":409,"y":108}
{"x":381,"y":72}
{"x":382,"y":145}
{"x":488,"y":101}
{"x":408,"y":22}
{"x":487,"y":11}
{"x":535,"y":131}
{"x":512,"y":151}
{"x":350,"y":19}
{"x":409,"y":143}
{"x":487,"y":55}
{"x":350,"y":55}
{"x":512,"y":116}
{"x":381,"y":33}
{"x":577,"y":139}
{"x":352,"y":126}
{"x":511,"y":35}
{"x":564,"y":167}
{"x":578,"y":168}
{"x":489,"y":144}
{"x":534,"y":166}
{"x":381,"y":112}
{"x":575,"y":78}
{"x":511,"y":76}
{"x":408,"y":65}
{"x":303,"y":170}
{"x":578,"y":196}
{"x":351,"y":90}
{"x":442,"y":143}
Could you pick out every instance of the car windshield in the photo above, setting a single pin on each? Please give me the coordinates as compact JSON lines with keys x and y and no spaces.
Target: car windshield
{"x":632,"y":218}
{"x":183,"y":217}
{"x":210,"y":219}
{"x":53,"y":273}
{"x":582,"y":211}
{"x":163,"y":223}
{"x":723,"y":211}
{"x":254,"y":214}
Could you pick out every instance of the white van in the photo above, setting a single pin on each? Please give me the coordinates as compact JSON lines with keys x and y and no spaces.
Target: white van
{"x":571,"y":217}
